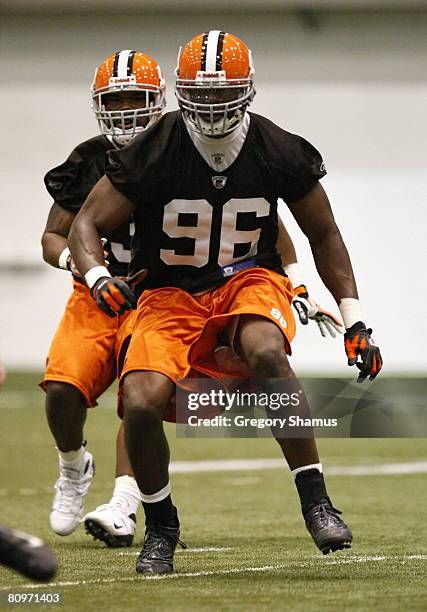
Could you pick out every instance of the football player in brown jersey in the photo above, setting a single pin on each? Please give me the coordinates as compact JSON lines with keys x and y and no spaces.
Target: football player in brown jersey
{"x":128,"y":95}
{"x":203,"y":186}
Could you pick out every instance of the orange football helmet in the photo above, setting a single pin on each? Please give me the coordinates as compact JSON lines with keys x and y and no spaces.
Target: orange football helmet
{"x":120,"y":73}
{"x":214,"y":83}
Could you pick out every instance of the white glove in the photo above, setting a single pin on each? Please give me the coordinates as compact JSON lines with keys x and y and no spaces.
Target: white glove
{"x":308,"y":309}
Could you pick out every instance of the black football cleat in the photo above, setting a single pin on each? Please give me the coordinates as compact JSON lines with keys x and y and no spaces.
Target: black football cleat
{"x":27,"y":554}
{"x":327,"y":529}
{"x":160,"y":542}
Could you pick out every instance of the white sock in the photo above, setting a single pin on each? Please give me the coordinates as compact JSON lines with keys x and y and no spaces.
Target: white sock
{"x":126,"y":494}
{"x":72,"y":459}
{"x":312,"y":466}
{"x":153,"y":498}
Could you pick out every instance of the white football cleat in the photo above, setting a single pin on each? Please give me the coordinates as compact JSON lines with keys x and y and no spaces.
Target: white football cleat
{"x":112,"y":524}
{"x":71,"y":488}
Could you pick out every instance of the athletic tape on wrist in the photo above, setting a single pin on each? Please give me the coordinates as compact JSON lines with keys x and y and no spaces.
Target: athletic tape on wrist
{"x":350,"y":311}
{"x":94,"y":274}
{"x":294,"y":274}
{"x":63,"y":259}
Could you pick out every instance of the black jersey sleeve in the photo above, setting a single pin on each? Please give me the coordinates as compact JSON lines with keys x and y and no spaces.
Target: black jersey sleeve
{"x":296,"y":165}
{"x":69,"y":184}
{"x":304,"y":168}
{"x":126,"y":168}
{"x":64,"y":183}
{"x":149,"y":156}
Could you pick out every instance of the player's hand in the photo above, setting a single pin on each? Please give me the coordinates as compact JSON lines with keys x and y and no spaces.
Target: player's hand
{"x":307,"y":310}
{"x":113,"y":295}
{"x":358,"y":343}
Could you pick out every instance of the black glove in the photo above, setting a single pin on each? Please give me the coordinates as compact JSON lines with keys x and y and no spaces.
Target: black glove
{"x":113,"y":295}
{"x":358,"y":341}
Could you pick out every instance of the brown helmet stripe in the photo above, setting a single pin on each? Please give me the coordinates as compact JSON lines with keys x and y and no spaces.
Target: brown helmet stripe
{"x":219,"y":50}
{"x":116,"y":64}
{"x":130,"y":62}
{"x":204,"y":50}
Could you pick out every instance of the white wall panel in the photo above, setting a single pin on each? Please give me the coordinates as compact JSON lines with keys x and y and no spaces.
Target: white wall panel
{"x":356,"y":88}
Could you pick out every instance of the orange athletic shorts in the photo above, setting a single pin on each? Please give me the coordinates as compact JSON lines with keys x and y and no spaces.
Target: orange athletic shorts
{"x":88,"y":347}
{"x":176,"y":333}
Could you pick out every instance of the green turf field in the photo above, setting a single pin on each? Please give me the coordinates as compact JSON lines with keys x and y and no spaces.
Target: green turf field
{"x":248,"y":547}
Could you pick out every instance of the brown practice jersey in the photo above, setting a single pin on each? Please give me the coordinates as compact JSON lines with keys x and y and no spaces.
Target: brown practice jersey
{"x":69,"y":185}
{"x":194,"y":226}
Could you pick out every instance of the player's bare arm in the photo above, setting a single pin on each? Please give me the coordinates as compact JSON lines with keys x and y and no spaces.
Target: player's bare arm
{"x":314,"y":215}
{"x":285,"y":246}
{"x":306,"y":308}
{"x":54,"y":238}
{"x":104,"y":210}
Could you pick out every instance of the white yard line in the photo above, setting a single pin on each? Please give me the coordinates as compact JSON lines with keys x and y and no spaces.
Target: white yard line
{"x":238,"y":570}
{"x":242,"y":465}
{"x":243,"y":481}
{"x":27,"y":492}
{"x":362,"y":559}
{"x":51,"y":585}
{"x":225,"y":465}
{"x":253,"y":465}
{"x":186,"y":550}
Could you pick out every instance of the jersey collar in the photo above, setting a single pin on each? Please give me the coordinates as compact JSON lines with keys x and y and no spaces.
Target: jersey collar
{"x":220,"y":153}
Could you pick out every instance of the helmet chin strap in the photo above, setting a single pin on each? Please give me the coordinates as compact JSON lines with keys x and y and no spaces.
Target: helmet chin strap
{"x":117,"y":144}
{"x":121,"y":140}
{"x":207,"y":128}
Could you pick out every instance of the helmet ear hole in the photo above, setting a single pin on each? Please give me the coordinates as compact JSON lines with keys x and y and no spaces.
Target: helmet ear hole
{"x":128,"y":95}
{"x":214,"y":83}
